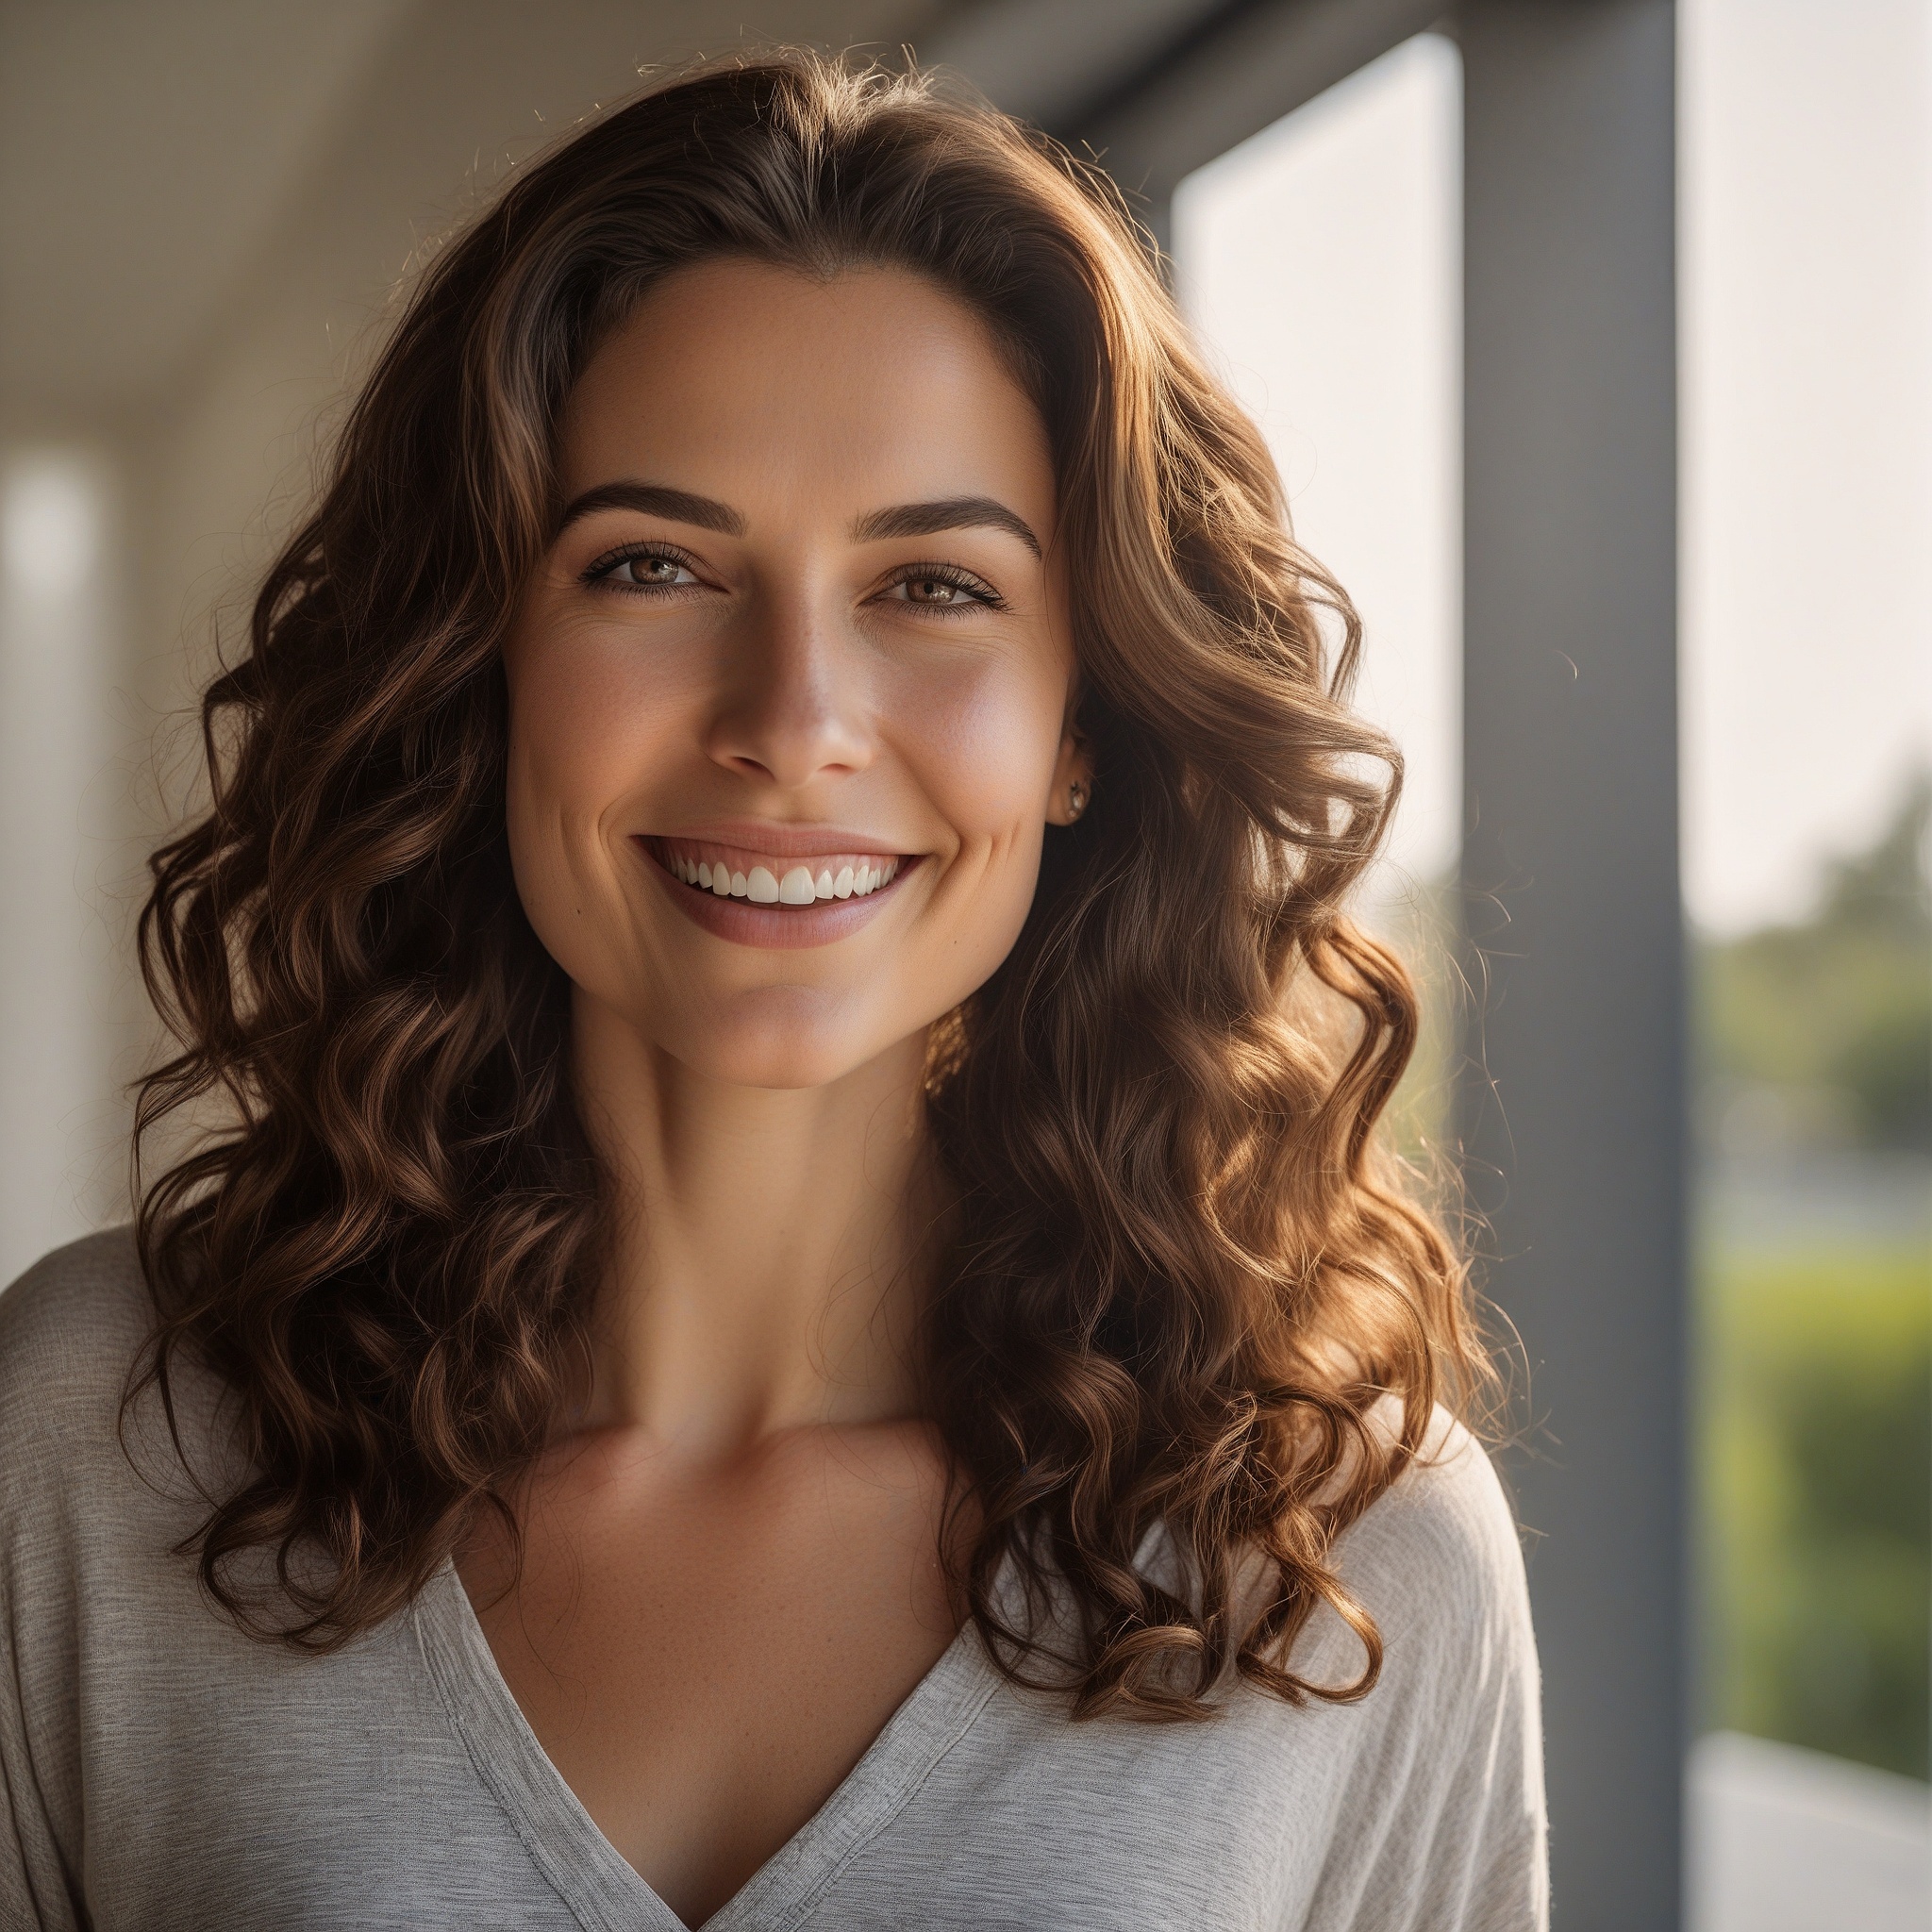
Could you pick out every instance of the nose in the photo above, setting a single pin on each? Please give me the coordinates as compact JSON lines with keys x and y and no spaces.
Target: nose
{"x":792,"y":705}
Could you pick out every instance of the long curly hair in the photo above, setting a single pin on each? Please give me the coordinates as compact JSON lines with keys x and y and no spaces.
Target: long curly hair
{"x":1180,"y":1292}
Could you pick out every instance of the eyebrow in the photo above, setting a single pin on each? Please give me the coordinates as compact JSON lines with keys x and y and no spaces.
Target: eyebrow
{"x":949,"y":513}
{"x":707,"y":513}
{"x":654,"y":500}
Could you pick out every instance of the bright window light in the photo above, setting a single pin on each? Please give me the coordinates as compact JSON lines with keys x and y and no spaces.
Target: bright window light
{"x":1320,"y":262}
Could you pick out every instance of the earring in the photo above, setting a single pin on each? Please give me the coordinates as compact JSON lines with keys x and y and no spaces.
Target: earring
{"x":1076,"y":800}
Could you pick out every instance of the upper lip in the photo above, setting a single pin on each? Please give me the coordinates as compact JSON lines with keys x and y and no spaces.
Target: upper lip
{"x":784,"y":841}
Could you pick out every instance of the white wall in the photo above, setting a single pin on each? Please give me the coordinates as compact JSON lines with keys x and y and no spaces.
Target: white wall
{"x":61,"y":805}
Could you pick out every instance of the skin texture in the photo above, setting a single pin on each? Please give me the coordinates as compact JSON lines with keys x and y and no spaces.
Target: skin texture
{"x":731,"y":1574}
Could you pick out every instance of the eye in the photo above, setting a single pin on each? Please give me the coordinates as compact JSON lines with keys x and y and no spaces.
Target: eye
{"x":943,"y":587}
{"x":636,"y":570}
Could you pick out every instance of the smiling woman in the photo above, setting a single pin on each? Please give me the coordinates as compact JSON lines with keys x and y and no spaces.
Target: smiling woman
{"x":797,"y":624}
{"x":798,"y":1249}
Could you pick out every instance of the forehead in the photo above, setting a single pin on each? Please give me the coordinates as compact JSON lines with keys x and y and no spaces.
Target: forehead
{"x":744,"y":381}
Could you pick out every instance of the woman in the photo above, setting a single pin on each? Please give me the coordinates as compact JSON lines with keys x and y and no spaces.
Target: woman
{"x":791,"y":1318}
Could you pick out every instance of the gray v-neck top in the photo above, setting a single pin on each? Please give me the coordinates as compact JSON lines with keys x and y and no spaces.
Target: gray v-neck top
{"x":159,"y":1769}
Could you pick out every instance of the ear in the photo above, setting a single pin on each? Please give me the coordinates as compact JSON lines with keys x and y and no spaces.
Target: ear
{"x":1073,"y":766}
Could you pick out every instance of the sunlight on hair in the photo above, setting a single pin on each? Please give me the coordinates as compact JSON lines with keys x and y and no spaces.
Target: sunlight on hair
{"x":1321,"y":263}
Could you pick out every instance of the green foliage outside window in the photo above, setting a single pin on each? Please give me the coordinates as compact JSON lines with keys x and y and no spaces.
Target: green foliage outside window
{"x":1815,"y":1339}
{"x":1816,"y":1453}
{"x":1828,"y":1024}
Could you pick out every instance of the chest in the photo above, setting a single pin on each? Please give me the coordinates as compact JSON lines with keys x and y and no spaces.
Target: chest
{"x":397,"y":1784}
{"x":704,"y":1657}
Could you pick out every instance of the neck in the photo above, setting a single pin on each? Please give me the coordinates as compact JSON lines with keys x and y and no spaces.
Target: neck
{"x":762,"y":1271}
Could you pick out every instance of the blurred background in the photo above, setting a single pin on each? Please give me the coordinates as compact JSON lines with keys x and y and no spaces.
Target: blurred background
{"x":1594,"y":341}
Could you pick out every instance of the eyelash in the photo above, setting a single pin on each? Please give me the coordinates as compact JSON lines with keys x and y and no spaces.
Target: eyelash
{"x":604,"y":569}
{"x":977,"y":590}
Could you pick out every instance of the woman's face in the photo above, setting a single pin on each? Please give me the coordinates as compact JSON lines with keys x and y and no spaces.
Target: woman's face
{"x":790,"y":693}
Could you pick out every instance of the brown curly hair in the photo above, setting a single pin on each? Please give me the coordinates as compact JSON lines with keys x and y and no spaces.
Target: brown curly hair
{"x":1178,"y":1282}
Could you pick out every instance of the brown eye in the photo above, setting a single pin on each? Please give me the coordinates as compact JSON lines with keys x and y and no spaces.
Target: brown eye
{"x":651,"y":573}
{"x":939,"y":589}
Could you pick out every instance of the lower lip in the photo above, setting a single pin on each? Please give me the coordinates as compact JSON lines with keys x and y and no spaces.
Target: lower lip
{"x":780,"y":926}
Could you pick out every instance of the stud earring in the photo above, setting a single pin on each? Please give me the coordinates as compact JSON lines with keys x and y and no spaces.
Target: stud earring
{"x":1076,"y":799}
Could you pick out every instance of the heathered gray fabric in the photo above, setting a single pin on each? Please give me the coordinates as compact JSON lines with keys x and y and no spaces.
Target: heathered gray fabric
{"x":159,"y":1769}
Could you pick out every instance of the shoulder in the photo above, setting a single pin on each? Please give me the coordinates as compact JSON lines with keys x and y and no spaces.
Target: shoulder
{"x":1442,"y":1531}
{"x":1436,"y":1561}
{"x":71,"y":1329}
{"x":1435,"y":1775}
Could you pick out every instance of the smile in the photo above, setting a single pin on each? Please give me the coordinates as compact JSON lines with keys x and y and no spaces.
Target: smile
{"x":756,"y":897}
{"x":726,"y":873}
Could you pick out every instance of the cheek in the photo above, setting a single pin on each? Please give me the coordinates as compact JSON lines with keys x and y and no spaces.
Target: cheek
{"x":580,"y":708}
{"x":984,"y":744}
{"x":581,"y":731}
{"x":983,"y":750}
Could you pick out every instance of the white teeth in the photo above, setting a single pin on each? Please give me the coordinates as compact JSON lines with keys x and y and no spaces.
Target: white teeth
{"x":765,"y":884}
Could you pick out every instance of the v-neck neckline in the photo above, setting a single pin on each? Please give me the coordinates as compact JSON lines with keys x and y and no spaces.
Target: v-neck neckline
{"x":590,"y":1874}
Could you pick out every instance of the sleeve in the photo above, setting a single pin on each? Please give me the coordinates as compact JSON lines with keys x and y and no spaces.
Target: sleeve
{"x":1443,"y":1826}
{"x":41,"y":1809}
{"x":34,"y":1892}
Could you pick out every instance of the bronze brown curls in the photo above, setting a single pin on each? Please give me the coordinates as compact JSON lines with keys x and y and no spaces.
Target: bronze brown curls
{"x":1177,"y":1289}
